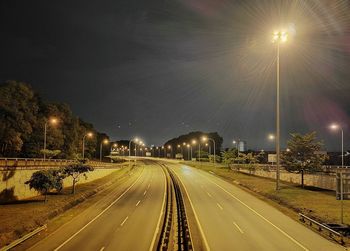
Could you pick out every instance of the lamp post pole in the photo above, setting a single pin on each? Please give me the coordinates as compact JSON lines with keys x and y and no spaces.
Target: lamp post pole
{"x":45,"y":130}
{"x":278,"y":118}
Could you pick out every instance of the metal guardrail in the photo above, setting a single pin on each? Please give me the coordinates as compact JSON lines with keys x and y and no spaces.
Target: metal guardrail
{"x":25,"y":237}
{"x":29,"y":163}
{"x":321,"y":227}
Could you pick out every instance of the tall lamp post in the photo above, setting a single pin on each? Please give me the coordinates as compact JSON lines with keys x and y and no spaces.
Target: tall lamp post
{"x":105,"y":141}
{"x":337,"y":127}
{"x":130,"y":141}
{"x":89,"y":134}
{"x":278,"y":38}
{"x":52,"y":121}
{"x":188,"y":151}
{"x":205,"y":139}
{"x":171,"y":151}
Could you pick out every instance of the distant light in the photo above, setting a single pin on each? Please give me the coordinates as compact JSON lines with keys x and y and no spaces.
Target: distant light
{"x":194,"y":142}
{"x":288,"y":150}
{"x":53,"y":121}
{"x":89,"y":134}
{"x":204,"y":138}
{"x":169,"y":147}
{"x":271,"y":137}
{"x":334,"y":126}
{"x":105,"y":141}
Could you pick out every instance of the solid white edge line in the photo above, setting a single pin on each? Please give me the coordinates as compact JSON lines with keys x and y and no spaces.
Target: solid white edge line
{"x":258,"y":214}
{"x":195,"y":215}
{"x":144,"y":193}
{"x":240,"y":230}
{"x":97,"y":216}
{"x":103,"y":248}
{"x":138,"y":203}
{"x":151,"y":248}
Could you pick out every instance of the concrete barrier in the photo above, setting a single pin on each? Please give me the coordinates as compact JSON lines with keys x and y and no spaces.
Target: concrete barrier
{"x":17,"y":172}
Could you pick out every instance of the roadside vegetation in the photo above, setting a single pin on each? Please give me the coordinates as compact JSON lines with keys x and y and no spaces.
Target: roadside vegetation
{"x":23,"y":115}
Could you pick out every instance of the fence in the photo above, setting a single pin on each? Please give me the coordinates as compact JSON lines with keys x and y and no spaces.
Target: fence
{"x":29,"y":163}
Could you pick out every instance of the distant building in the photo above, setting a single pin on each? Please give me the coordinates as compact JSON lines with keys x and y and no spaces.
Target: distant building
{"x":242,"y":146}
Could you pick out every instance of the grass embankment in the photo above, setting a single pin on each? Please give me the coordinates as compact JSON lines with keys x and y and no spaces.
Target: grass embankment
{"x":291,"y":198}
{"x":24,"y":216}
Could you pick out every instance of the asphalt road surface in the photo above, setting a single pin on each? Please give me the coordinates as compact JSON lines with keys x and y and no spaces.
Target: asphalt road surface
{"x":232,"y":219}
{"x":123,"y":221}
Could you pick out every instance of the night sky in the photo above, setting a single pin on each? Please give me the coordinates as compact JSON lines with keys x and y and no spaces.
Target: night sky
{"x":160,"y":68}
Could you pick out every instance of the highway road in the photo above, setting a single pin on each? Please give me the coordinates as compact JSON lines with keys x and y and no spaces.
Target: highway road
{"x":232,"y":219}
{"x":122,"y":221}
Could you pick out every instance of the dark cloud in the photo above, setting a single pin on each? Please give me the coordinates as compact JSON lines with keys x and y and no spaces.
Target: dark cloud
{"x":160,"y":68}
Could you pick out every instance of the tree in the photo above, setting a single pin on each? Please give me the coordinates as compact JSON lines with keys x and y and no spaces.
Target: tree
{"x":75,"y":171}
{"x":18,"y":111}
{"x":50,"y":153}
{"x":45,"y":180}
{"x":229,"y":156}
{"x":303,"y":154}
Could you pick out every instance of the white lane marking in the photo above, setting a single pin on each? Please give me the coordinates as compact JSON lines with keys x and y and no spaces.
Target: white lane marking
{"x":240,"y":230}
{"x":144,"y":192}
{"x":148,"y":185}
{"x":151,"y":248}
{"x":97,"y":216}
{"x":258,"y":214}
{"x":103,"y":248}
{"x":127,"y":217}
{"x":138,"y":203}
{"x":219,"y":206}
{"x":195,"y":216}
{"x":209,"y":194}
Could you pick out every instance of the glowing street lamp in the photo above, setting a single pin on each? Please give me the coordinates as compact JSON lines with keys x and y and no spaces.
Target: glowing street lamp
{"x":278,"y":38}
{"x":105,"y":141}
{"x":271,"y":137}
{"x":188,"y":151}
{"x":205,"y":139}
{"x":52,"y":121}
{"x":171,"y":151}
{"x":135,"y":140}
{"x":335,"y":127}
{"x":89,"y":135}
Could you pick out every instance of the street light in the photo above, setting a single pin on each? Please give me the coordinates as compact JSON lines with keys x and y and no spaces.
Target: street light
{"x":52,"y":121}
{"x":205,"y":139}
{"x":337,"y":127}
{"x":89,"y":134}
{"x":135,"y":141}
{"x":278,"y":38}
{"x":105,"y":141}
{"x":171,"y":151}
